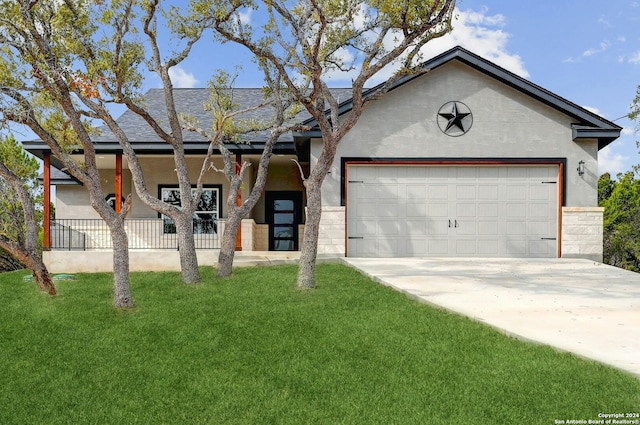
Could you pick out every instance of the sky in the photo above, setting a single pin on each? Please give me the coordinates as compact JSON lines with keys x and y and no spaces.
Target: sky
{"x":585,"y":51}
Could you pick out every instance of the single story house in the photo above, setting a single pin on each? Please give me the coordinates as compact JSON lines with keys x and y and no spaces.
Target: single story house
{"x":465,"y":159}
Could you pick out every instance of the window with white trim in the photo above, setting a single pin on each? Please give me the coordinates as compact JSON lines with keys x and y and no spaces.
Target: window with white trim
{"x":205,"y":217}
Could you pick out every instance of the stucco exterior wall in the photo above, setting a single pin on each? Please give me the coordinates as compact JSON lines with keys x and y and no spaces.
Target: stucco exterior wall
{"x":72,"y":201}
{"x":506,"y":124}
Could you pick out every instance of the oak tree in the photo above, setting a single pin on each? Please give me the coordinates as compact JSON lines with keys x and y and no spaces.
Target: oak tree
{"x":18,"y":214}
{"x":41,"y":89}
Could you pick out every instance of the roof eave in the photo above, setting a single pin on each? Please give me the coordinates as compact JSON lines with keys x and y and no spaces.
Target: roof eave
{"x":604,"y":135}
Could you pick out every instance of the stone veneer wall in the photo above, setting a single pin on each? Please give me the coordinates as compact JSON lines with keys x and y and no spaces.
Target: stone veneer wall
{"x":582,"y":230}
{"x":332,"y":231}
{"x":261,"y":237}
{"x":248,"y":228}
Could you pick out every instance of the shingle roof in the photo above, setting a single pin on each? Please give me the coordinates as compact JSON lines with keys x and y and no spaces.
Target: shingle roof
{"x":190,"y":101}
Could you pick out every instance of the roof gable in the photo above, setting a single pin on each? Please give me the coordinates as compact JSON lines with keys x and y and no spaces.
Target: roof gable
{"x":588,"y":125}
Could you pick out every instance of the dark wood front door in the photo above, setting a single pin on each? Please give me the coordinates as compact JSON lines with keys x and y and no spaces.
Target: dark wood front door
{"x":284,"y":214}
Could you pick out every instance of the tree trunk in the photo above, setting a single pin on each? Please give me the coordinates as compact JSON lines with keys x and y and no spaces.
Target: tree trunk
{"x":228,"y":245}
{"x":313,"y":185}
{"x":40,"y":274}
{"x":33,"y":261}
{"x":121,"y":286}
{"x":8,"y":263}
{"x":187,"y":249}
{"x":309,"y":250}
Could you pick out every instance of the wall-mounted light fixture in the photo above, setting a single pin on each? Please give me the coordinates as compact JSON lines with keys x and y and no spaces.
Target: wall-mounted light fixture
{"x":580,"y":168}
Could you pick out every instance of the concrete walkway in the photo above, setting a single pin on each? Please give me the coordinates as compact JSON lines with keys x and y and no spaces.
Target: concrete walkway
{"x":580,"y":306}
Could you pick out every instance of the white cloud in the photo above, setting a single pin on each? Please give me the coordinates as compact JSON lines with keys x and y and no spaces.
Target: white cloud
{"x":181,"y":78}
{"x":245,"y":16}
{"x":635,"y":58}
{"x":476,"y":31}
{"x":612,"y":163}
{"x":601,"y":48}
{"x":627,"y":131}
{"x":482,"y":34}
{"x":592,"y":109}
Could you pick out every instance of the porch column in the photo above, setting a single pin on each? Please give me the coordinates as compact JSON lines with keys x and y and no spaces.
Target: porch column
{"x":118,"y":202}
{"x":46,"y":243}
{"x":239,"y":203}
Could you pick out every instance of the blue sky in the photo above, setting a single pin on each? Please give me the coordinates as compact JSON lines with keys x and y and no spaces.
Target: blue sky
{"x":586,"y":51}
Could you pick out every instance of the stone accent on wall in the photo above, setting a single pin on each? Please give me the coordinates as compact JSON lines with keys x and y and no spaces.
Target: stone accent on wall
{"x":582,"y":229}
{"x":261,"y":237}
{"x":332,"y":231}
{"x":248,"y":228}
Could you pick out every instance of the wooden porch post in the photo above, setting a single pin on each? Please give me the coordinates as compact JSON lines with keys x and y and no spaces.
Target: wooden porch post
{"x":238,"y":203}
{"x":118,"y":201}
{"x":46,"y":243}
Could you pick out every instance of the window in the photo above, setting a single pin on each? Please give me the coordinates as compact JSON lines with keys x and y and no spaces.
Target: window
{"x":205,"y":217}
{"x":111,"y":200}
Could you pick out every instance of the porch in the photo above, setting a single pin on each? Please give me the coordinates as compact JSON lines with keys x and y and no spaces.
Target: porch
{"x":84,"y":245}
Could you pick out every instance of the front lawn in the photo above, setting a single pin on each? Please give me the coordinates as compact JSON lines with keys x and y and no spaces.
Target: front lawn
{"x":252,"y":349}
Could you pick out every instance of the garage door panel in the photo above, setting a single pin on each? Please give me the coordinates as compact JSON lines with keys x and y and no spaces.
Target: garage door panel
{"x":539,"y":210}
{"x":386,"y":191}
{"x":388,"y":228}
{"x":388,"y":247}
{"x":466,"y":210}
{"x":465,"y":227}
{"x":438,"y":246}
{"x":516,"y":192}
{"x":516,"y":210}
{"x":466,"y":192}
{"x":366,"y":228}
{"x":416,"y":247}
{"x":418,"y":227}
{"x":488,"y":210}
{"x":438,"y":192}
{"x":415,"y":210}
{"x":516,"y":247}
{"x":488,"y":247}
{"x":465,"y":247}
{"x":365,"y":210}
{"x":386,"y":210}
{"x":438,"y":227}
{"x":516,"y":228}
{"x":541,"y":247}
{"x":518,"y":173}
{"x":416,"y":192}
{"x":486,"y":228}
{"x":438,"y":209}
{"x":452,"y":210}
{"x":538,"y":228}
{"x":488,"y":192}
{"x":539,"y":192}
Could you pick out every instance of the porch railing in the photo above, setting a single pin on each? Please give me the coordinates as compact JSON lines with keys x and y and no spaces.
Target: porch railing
{"x":142,"y":233}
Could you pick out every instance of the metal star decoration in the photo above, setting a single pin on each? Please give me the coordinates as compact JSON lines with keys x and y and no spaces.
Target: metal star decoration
{"x":454,"y":118}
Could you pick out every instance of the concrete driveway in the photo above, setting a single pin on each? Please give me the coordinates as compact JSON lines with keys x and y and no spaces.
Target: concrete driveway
{"x":580,"y":306}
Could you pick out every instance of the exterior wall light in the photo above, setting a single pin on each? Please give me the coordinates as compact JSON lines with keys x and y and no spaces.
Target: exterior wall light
{"x":580,"y":168}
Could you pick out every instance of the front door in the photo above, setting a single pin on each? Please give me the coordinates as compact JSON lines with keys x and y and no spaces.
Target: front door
{"x":283,"y":212}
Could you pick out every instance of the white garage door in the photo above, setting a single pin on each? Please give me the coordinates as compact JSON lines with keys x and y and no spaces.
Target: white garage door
{"x":485,"y":211}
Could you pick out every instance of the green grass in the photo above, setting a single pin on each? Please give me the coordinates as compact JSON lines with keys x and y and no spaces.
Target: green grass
{"x":252,"y":349}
